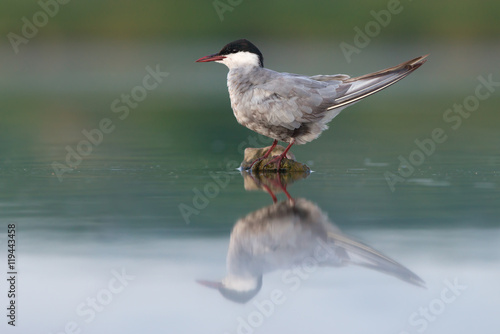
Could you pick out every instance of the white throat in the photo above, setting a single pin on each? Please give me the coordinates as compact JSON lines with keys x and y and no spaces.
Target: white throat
{"x":240,"y":59}
{"x":240,"y":283}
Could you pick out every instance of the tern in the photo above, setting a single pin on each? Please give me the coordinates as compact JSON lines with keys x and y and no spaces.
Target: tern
{"x":293,"y":235}
{"x":289,"y":107}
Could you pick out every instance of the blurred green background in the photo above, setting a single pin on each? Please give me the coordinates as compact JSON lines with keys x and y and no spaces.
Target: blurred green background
{"x":86,"y":54}
{"x":119,"y":206}
{"x":462,"y":20}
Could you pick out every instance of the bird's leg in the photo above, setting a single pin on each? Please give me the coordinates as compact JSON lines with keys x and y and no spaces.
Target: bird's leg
{"x":283,"y":187}
{"x":275,"y":142}
{"x":265,"y":187}
{"x":290,"y":199}
{"x":270,"y":192}
{"x":280,"y":157}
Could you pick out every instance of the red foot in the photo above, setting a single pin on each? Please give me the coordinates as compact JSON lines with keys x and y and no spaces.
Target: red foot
{"x":275,"y":142}
{"x":280,"y":157}
{"x":276,"y":181}
{"x":277,"y":159}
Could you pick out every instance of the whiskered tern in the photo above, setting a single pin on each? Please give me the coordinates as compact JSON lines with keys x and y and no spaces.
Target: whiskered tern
{"x":289,"y":107}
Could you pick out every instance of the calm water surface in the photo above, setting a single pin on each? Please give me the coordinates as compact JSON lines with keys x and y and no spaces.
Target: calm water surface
{"x":118,"y":243}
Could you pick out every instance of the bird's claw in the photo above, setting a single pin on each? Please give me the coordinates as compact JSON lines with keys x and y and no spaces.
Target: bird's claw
{"x":275,"y":160}
{"x":253,"y":163}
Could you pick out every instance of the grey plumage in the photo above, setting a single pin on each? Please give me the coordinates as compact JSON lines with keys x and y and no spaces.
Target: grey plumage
{"x":281,"y":106}
{"x":288,"y":234}
{"x":285,"y":233}
{"x":289,"y":107}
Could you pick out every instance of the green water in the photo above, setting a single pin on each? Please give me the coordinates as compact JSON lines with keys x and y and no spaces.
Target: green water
{"x":152,"y":161}
{"x":158,"y":194}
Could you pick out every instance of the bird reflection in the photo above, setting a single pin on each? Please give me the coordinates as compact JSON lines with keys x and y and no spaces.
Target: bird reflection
{"x":287,"y":234}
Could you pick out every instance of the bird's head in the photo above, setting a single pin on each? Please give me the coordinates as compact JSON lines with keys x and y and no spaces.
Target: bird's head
{"x":236,"y":54}
{"x":236,"y":290}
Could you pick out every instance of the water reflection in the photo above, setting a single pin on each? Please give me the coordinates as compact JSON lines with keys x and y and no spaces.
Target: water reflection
{"x":291,"y":234}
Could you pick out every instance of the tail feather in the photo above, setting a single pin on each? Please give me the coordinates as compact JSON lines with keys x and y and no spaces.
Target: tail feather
{"x":365,"y":256}
{"x":366,"y":85}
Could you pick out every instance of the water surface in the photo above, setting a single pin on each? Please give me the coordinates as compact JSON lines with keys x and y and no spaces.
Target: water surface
{"x":155,"y":201}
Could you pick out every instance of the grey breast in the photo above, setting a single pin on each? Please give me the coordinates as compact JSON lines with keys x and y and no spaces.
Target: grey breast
{"x":282,"y":105}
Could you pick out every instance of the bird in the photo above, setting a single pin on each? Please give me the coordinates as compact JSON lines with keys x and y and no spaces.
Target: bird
{"x":293,"y":108}
{"x":288,"y":235}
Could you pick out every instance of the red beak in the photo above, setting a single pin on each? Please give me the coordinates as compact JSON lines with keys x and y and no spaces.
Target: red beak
{"x":213,"y":57}
{"x":210,"y":284}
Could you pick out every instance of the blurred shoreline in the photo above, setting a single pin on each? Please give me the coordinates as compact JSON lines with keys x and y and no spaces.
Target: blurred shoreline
{"x":107,"y":66}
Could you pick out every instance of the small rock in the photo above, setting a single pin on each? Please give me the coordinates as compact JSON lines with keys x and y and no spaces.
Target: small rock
{"x":288,"y":164}
{"x":271,"y":181}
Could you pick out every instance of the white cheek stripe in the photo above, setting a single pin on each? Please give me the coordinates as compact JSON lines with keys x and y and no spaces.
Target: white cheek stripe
{"x":242,"y":58}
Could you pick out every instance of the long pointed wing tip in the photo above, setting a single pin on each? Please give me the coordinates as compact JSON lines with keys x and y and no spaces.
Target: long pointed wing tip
{"x":419,"y":282}
{"x":416,"y":63}
{"x":422,"y":59}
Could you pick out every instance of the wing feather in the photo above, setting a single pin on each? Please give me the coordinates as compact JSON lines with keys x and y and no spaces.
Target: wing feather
{"x":289,"y":100}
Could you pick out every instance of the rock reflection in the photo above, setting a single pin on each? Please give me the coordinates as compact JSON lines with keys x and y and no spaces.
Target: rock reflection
{"x":291,"y":234}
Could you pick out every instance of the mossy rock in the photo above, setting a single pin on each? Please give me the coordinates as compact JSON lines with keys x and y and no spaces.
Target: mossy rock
{"x":288,"y":164}
{"x":271,"y":181}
